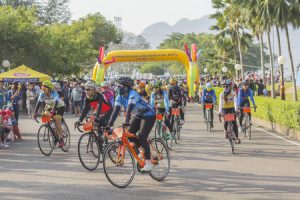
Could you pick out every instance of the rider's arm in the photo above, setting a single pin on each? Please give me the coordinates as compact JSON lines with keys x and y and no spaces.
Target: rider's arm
{"x":221,"y":102}
{"x":214,"y":96}
{"x":239,"y":98}
{"x":39,"y":102}
{"x":128,"y":112}
{"x":235,"y":102}
{"x":251,"y":97}
{"x":152,"y":99}
{"x":117,"y":108}
{"x":85,"y":110}
{"x":203,"y":95}
{"x":166,"y":101}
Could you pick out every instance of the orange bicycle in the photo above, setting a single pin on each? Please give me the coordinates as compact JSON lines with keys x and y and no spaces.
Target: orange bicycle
{"x":120,"y":156}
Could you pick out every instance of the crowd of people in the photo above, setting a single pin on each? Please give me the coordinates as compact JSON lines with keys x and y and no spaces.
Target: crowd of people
{"x":140,"y":99}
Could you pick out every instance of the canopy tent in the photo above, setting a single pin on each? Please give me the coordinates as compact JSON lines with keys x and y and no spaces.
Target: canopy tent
{"x":23,"y":74}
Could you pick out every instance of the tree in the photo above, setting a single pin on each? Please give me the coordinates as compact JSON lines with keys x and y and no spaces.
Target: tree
{"x":54,"y":11}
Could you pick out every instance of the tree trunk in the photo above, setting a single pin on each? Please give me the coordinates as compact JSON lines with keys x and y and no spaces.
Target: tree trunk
{"x":262,"y":59}
{"x":279,"y":41}
{"x":272,"y":67}
{"x":282,"y":92}
{"x":240,"y":50}
{"x":292,"y":62}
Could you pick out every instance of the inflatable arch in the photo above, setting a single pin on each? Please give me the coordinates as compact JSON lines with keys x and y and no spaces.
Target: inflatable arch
{"x":188,"y":60}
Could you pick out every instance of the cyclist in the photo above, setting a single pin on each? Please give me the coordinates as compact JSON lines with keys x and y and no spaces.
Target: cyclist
{"x":107,"y":92}
{"x":243,"y":100}
{"x":54,"y":104}
{"x":175,"y":96}
{"x":141,"y":90}
{"x":209,"y":96}
{"x":160,"y":97}
{"x":140,"y":116}
{"x":96,"y":101}
{"x":228,"y":105}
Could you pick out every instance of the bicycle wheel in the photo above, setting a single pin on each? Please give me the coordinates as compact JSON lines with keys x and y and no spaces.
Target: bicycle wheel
{"x":45,"y":140}
{"x":249,"y":132}
{"x":88,"y":151}
{"x":119,"y":171}
{"x":175,"y":131}
{"x":231,"y":136}
{"x":178,"y":129}
{"x":161,"y":159}
{"x":66,"y":137}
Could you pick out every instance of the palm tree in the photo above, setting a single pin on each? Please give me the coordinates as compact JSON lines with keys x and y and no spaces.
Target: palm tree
{"x":284,"y":13}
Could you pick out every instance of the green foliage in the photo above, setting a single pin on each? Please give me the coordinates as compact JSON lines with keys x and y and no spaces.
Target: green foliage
{"x":58,"y":49}
{"x":285,"y":113}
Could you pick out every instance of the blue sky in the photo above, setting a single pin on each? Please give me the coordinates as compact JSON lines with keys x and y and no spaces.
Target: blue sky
{"x":138,"y":14}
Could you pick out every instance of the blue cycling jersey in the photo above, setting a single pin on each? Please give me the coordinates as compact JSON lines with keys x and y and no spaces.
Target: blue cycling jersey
{"x":141,"y":107}
{"x":209,"y":96}
{"x":52,"y":99}
{"x":243,"y":97}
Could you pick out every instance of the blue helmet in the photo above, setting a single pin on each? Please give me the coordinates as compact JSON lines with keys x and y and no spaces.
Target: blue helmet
{"x":208,"y":85}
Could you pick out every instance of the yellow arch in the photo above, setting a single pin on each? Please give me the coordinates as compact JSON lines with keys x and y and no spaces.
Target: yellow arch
{"x":149,"y":56}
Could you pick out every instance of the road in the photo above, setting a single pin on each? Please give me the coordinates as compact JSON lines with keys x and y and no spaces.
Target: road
{"x":202,"y":167}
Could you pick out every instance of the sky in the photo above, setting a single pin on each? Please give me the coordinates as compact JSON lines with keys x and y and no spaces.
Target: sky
{"x":138,"y":14}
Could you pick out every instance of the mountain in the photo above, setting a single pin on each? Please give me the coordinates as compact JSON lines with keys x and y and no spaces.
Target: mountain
{"x":157,"y":32}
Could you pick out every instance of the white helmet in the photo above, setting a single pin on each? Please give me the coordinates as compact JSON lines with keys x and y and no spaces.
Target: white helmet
{"x":90,"y":84}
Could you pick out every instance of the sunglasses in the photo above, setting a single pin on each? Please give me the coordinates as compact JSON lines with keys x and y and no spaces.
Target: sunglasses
{"x":87,"y":89}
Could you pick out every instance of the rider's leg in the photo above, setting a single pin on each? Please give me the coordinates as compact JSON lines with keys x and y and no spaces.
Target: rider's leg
{"x":181,"y":111}
{"x":135,"y":124}
{"x":212,"y":115}
{"x":58,"y":117}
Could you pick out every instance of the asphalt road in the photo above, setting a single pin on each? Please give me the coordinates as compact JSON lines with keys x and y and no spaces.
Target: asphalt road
{"x":202,"y":167}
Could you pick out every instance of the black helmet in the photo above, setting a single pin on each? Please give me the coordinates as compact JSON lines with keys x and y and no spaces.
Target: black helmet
{"x":126,"y":81}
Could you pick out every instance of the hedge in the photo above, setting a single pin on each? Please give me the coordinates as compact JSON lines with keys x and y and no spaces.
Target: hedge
{"x":285,"y":113}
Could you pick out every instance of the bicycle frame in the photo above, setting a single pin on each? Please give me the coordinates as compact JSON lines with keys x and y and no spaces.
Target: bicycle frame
{"x":125,"y":142}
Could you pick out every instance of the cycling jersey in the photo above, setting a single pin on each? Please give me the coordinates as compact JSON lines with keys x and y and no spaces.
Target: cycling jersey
{"x":175,"y":93}
{"x":141,"y":107}
{"x":94,"y":102}
{"x":243,"y":97}
{"x":209,"y":96}
{"x":229,"y":102}
{"x":52,"y":100}
{"x":161,"y":99}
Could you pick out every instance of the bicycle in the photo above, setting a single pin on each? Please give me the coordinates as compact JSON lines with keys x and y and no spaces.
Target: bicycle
{"x":47,"y":136}
{"x":207,"y":118}
{"x":176,"y":124}
{"x":246,"y":125}
{"x":90,"y":145}
{"x":120,"y":156}
{"x":230,"y":132}
{"x":161,"y":130}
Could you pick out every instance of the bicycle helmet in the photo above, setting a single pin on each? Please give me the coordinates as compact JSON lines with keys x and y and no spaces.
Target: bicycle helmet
{"x":157,"y":85}
{"x":142,"y":85}
{"x":173,"y":80}
{"x":126,"y":81}
{"x":90,"y":84}
{"x":226,"y":82}
{"x":246,"y":82}
{"x":208,"y":85}
{"x":48,"y":84}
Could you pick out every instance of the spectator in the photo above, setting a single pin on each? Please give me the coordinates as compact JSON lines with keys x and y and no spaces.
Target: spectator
{"x":14,"y":96}
{"x":31,"y":99}
{"x":2,"y":95}
{"x":76,"y":97}
{"x":66,"y":90}
{"x":252,"y":86}
{"x":261,"y":87}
